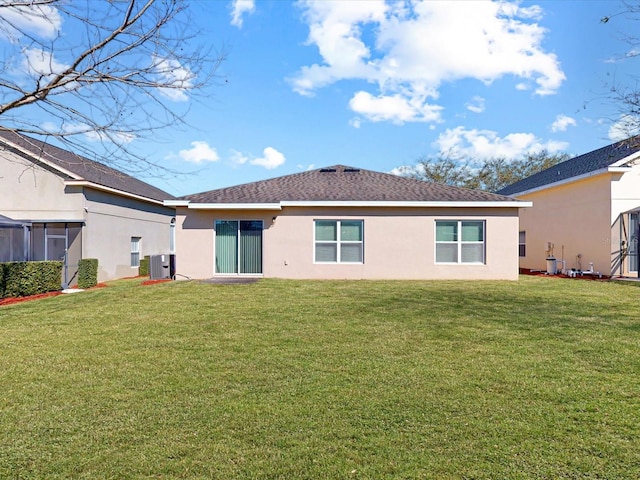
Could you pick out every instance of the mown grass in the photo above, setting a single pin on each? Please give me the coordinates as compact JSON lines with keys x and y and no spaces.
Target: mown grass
{"x":294,"y":380}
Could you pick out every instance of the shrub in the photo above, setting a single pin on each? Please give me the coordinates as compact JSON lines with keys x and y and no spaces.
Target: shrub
{"x":87,"y":272}
{"x":143,"y":269}
{"x":20,"y":279}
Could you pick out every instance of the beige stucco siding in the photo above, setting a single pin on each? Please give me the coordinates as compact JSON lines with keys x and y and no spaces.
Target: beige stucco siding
{"x":398,"y":243}
{"x":576,"y":217}
{"x":112,"y":220}
{"x":33,"y":193}
{"x":106,"y":220}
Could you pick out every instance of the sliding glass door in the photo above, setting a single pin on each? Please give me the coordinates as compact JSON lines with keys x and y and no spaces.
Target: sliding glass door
{"x":238,"y":246}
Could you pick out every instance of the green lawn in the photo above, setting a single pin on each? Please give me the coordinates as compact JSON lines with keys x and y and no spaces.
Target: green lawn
{"x":293,"y":380}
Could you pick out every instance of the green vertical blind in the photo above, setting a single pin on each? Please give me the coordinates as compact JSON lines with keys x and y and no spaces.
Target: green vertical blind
{"x":238,"y":246}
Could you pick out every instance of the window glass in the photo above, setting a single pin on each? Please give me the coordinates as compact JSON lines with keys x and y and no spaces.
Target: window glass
{"x":351,"y":252}
{"x":326,"y":230}
{"x":460,"y":241}
{"x":472,"y":252}
{"x":135,"y":251}
{"x":447,"y":253}
{"x":339,"y":241}
{"x":350,"y":231}
{"x":472,"y":231}
{"x":446,"y":231}
{"x":326,"y":252}
{"x":522,"y":244}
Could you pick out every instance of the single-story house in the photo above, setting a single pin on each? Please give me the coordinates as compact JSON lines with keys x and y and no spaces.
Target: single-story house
{"x":585,"y":212}
{"x":347,"y":223}
{"x":57,"y":205}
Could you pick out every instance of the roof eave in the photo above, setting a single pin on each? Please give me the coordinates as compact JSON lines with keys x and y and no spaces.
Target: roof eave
{"x":383,"y":204}
{"x":122,"y":193}
{"x":571,"y":180}
{"x":40,"y":159}
{"x":407,"y":204}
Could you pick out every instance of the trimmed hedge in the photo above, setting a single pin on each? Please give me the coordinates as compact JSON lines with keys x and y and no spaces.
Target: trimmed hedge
{"x":87,"y":272}
{"x":143,"y":269}
{"x":21,"y":279}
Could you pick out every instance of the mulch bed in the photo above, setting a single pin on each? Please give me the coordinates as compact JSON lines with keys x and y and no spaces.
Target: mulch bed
{"x":153,"y":282}
{"x":537,"y":273}
{"x":12,"y":300}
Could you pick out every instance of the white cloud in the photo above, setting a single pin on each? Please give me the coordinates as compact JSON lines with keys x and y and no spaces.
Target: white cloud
{"x":238,"y":158}
{"x":39,"y":62}
{"x":271,"y":159}
{"x":177,"y":77}
{"x":625,"y":127}
{"x":407,"y":50}
{"x":43,"y":21}
{"x":238,"y":9}
{"x":485,"y":144}
{"x":476,"y":105}
{"x":89,"y":132}
{"x":395,"y":108}
{"x":562,"y":122}
{"x":199,"y":152}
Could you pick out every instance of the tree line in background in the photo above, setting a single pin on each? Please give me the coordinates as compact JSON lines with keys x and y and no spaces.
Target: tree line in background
{"x":490,"y":175}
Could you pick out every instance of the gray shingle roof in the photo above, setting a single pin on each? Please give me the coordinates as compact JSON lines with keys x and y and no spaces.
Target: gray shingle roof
{"x":342,"y":183}
{"x":82,"y":167}
{"x":576,"y":166}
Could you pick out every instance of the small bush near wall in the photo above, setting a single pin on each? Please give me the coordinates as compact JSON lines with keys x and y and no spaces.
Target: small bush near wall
{"x":87,"y":272}
{"x":20,"y":279}
{"x":143,"y":269}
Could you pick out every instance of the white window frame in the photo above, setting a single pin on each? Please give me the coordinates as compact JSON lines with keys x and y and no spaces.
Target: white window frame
{"x":459,"y":242}
{"x":136,"y":249}
{"x":338,"y":242}
{"x":522,"y":244}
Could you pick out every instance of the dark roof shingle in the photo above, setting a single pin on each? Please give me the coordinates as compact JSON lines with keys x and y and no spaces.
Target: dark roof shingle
{"x":82,"y":167}
{"x":575,"y":167}
{"x":342,"y":183}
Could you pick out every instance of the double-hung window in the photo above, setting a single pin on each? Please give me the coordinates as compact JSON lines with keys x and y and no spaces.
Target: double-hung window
{"x":460,"y":241}
{"x":135,"y":251}
{"x":522,"y":244}
{"x":339,"y":241}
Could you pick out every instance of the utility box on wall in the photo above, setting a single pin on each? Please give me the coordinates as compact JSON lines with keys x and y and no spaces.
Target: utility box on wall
{"x":162,"y":266}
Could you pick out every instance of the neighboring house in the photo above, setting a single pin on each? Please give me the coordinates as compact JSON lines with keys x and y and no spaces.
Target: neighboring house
{"x":347,"y":223}
{"x":57,"y":205}
{"x":587,"y":209}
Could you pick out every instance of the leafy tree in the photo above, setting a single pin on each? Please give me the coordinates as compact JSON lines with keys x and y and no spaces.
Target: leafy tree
{"x":490,"y":175}
{"x":100,"y":75}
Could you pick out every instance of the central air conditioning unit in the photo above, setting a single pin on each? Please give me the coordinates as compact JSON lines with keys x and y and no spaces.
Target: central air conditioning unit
{"x":162,"y":266}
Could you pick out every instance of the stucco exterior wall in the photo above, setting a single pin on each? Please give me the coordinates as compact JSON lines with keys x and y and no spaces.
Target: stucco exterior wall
{"x":34,"y":193}
{"x":577,"y":218}
{"x":398,"y":243}
{"x":108,"y":221}
{"x":111,"y":221}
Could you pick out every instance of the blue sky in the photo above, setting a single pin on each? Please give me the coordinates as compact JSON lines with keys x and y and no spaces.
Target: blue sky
{"x":378,"y":85}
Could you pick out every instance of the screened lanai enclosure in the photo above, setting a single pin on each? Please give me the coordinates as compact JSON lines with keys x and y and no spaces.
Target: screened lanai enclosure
{"x":626,"y":261}
{"x":14,"y":240}
{"x":22,"y":241}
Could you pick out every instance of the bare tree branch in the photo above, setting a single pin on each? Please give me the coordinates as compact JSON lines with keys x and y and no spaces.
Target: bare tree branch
{"x":101,"y":76}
